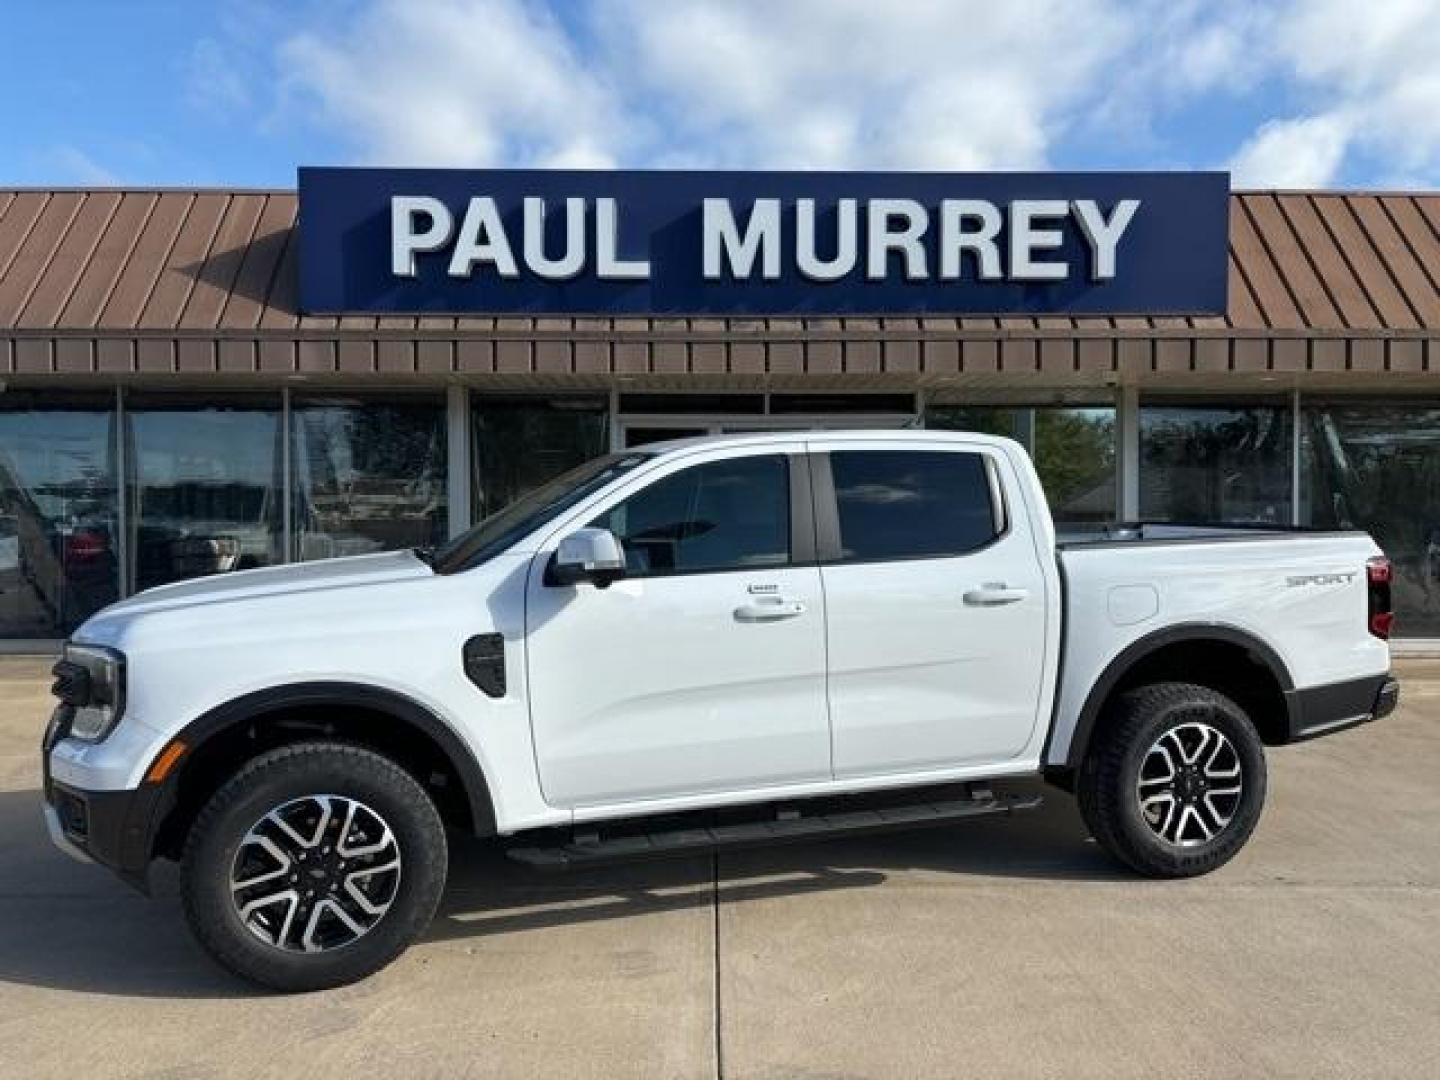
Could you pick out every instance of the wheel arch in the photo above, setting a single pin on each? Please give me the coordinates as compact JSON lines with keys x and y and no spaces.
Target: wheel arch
{"x":1204,"y":653}
{"x":385,"y":720}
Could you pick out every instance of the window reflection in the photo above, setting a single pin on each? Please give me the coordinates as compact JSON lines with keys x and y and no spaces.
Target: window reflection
{"x":1203,"y":463}
{"x":1073,"y":448}
{"x":727,"y":515}
{"x":369,"y":474}
{"x":1376,"y":466}
{"x":914,"y":505}
{"x":58,"y":512}
{"x":522,"y":442}
{"x":205,"y":486}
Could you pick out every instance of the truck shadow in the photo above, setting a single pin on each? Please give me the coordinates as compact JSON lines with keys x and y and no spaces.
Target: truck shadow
{"x":67,"y":926}
{"x":489,"y":894}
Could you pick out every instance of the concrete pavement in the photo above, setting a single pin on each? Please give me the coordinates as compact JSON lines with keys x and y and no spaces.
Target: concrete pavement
{"x":1010,"y":947}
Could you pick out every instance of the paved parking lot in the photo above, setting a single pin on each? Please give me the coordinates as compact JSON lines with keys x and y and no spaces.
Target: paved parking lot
{"x":1009,"y":947}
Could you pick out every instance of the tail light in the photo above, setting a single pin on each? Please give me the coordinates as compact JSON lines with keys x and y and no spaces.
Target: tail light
{"x":1377,"y":578}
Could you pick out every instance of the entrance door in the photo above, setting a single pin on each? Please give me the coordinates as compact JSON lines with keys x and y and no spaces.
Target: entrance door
{"x":703,"y":669}
{"x":936,"y":608}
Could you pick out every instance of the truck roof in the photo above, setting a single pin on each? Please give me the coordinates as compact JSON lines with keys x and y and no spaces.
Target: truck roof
{"x":857,"y":435}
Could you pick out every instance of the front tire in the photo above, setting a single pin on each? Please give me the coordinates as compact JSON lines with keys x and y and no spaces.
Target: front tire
{"x":1175,"y":781}
{"x":315,"y":865}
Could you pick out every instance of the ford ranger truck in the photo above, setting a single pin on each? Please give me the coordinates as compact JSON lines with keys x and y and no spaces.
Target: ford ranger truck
{"x":709,"y":642}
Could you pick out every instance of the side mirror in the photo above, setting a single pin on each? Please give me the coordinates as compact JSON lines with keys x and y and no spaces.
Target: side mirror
{"x":587,"y":555}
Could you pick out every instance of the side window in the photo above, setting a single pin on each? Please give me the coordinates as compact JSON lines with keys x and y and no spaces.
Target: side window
{"x":907,"y":504}
{"x":725,"y":515}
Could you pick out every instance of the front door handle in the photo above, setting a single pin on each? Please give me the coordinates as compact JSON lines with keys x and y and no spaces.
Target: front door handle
{"x":769,"y":609}
{"x":994,"y":594}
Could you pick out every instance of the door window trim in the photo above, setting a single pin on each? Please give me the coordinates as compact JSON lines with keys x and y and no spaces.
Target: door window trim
{"x":828,"y":547}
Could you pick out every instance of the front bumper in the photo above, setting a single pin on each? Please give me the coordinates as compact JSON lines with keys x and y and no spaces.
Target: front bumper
{"x":112,"y":828}
{"x":1320,"y":710}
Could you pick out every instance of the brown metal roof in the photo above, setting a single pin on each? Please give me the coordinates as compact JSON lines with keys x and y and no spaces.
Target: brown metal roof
{"x":218,"y":260}
{"x":193,"y":281}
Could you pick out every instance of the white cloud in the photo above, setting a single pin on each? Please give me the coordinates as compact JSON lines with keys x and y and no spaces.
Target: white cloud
{"x":929,"y":84}
{"x":1369,"y":78}
{"x":449,"y":82}
{"x":1299,"y":153}
{"x":805,"y":84}
{"x":853,"y":83}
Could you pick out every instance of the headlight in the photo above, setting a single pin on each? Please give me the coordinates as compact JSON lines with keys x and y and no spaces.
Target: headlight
{"x":90,"y":683}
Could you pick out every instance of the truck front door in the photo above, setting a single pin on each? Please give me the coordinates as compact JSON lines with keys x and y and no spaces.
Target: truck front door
{"x":703,"y":669}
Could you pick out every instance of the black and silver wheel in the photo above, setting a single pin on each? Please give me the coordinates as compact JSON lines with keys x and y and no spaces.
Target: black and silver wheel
{"x":315,"y":865}
{"x":1175,"y":781}
{"x":316,"y":873}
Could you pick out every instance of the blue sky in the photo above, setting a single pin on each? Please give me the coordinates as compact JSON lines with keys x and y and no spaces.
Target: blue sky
{"x":1289,"y":93}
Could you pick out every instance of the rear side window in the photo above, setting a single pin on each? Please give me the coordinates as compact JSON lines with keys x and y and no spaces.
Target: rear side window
{"x":907,"y":504}
{"x":725,"y":515}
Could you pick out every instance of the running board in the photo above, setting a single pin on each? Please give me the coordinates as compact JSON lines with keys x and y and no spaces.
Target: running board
{"x":788,"y":827}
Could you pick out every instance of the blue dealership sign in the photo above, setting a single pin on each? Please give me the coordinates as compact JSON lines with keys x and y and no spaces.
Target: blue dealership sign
{"x":537,"y":242}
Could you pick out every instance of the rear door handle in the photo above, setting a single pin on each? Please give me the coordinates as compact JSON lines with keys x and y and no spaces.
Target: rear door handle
{"x":769,"y":609}
{"x":994,"y":594}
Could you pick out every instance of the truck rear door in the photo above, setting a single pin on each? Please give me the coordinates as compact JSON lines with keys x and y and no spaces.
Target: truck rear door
{"x":935,"y":601}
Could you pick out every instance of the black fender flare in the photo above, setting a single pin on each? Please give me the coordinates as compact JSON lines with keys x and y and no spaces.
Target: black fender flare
{"x":1143,"y":647}
{"x":237,"y":711}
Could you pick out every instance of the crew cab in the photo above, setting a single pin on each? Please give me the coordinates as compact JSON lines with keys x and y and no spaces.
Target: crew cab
{"x":731,"y":640}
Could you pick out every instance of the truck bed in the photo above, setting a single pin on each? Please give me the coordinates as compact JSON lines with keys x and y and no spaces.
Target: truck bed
{"x":1302,"y":593}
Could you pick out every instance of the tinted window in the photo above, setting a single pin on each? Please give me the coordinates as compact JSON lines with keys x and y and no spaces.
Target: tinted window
{"x":521,"y":443}
{"x":58,"y":511}
{"x":369,"y":474}
{"x":1218,"y":463}
{"x":205,"y":485}
{"x":727,"y":515}
{"x":1375,"y":465}
{"x":911,"y":504}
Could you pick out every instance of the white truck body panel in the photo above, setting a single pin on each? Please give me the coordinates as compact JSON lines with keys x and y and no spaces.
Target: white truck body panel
{"x":652,"y":695}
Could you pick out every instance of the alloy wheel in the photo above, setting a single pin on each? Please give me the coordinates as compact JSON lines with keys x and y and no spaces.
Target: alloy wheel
{"x":1190,"y":784}
{"x":315,"y":873}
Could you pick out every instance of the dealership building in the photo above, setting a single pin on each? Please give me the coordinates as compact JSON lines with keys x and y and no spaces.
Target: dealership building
{"x":194,"y":384}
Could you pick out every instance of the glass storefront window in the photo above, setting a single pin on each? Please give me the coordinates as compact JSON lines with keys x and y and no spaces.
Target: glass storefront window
{"x":59,"y":528}
{"x":369,"y":474}
{"x":204,"y":485}
{"x":1073,"y":448}
{"x":1375,"y":466}
{"x":518,"y":443}
{"x":1216,"y":463}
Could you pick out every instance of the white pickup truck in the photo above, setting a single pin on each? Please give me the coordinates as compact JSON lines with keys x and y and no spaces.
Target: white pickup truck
{"x":821,"y":633}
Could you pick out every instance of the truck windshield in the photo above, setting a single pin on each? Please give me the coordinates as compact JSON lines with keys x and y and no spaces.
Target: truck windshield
{"x":504,"y":527}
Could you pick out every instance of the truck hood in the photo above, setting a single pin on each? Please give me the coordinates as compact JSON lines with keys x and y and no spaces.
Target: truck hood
{"x":348,"y":572}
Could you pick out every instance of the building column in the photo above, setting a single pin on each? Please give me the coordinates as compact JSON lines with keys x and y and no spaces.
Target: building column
{"x":123,"y":584}
{"x":1127,"y":421}
{"x":1295,"y":419}
{"x":457,"y":457}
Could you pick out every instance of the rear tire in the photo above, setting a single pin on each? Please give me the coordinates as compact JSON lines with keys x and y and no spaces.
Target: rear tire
{"x":315,"y":865}
{"x":1174,"y":783}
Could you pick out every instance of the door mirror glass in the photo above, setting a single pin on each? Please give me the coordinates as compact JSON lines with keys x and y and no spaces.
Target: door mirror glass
{"x":587,"y":555}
